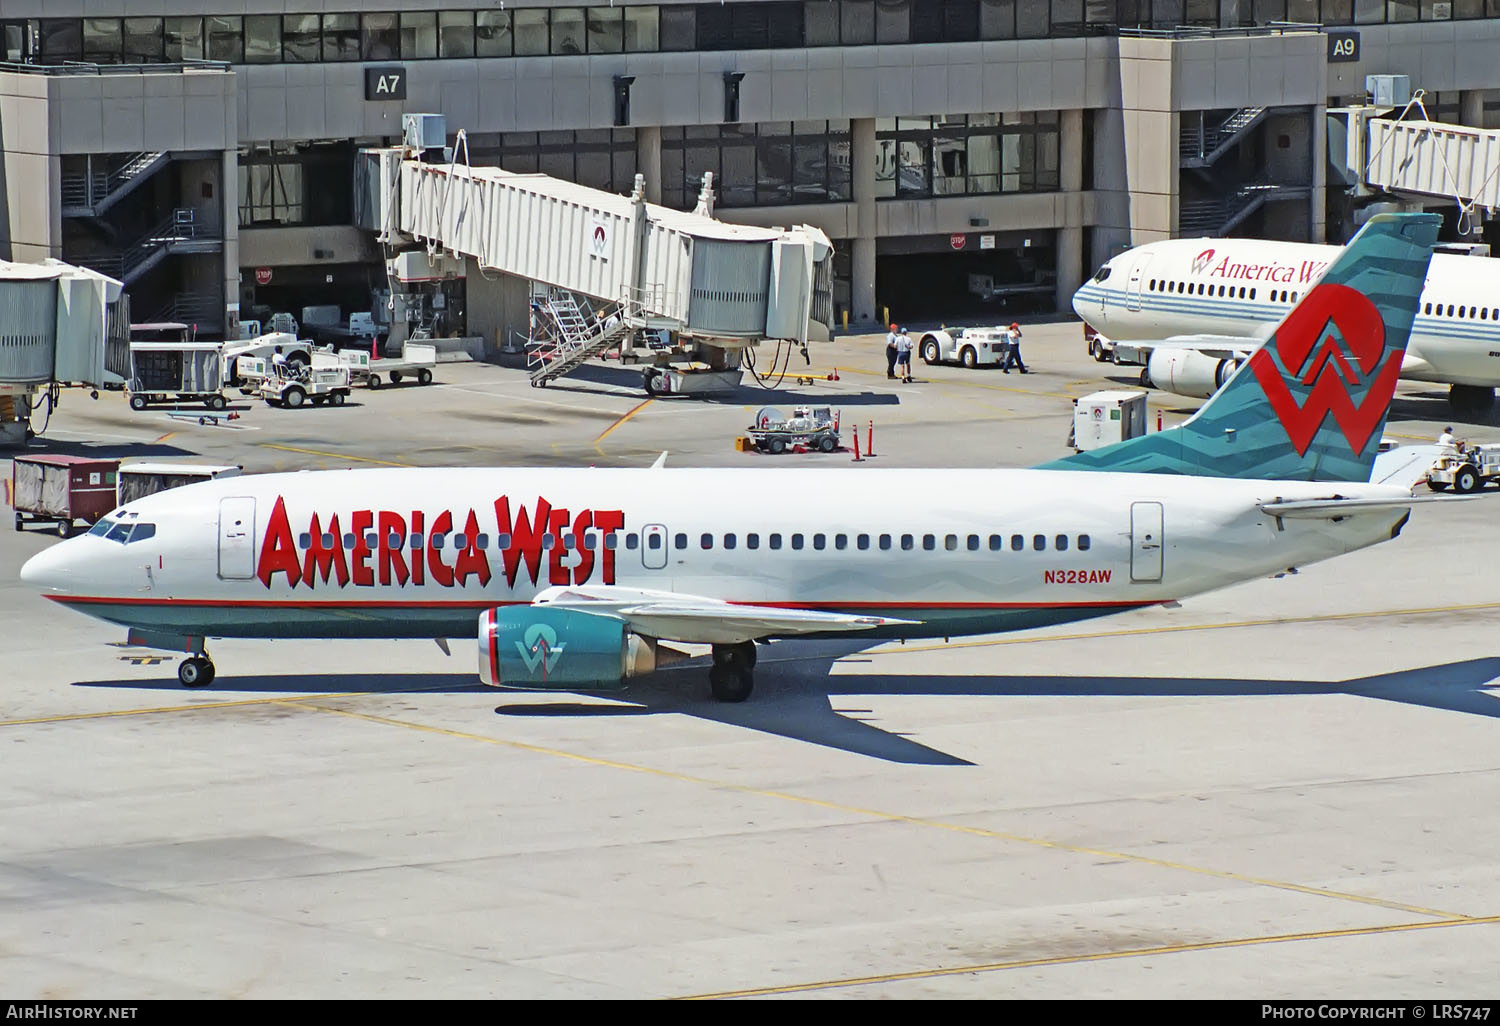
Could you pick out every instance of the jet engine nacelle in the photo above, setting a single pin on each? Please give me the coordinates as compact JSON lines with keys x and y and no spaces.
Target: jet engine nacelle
{"x":1185,"y":372}
{"x":555,"y":647}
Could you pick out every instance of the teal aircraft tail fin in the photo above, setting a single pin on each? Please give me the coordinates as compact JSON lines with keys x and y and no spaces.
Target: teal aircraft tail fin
{"x":1309,"y":404}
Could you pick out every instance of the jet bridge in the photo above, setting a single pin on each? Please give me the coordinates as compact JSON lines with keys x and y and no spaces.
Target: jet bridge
{"x":715,"y":284}
{"x":59,"y":324}
{"x":1411,"y":156}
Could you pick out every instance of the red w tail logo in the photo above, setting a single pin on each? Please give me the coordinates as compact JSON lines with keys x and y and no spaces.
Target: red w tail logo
{"x":1308,"y":344}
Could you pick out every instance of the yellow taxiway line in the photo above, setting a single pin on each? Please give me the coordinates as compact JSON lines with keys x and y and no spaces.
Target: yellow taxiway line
{"x":890,"y":817}
{"x":607,"y":431}
{"x":335,"y":455}
{"x":1101,"y":956}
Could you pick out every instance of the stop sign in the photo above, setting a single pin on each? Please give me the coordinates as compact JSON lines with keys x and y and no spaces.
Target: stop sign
{"x":262,"y":276}
{"x":957,"y":241}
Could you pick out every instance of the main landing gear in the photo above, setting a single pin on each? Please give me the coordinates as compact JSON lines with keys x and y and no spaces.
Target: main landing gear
{"x":196,"y":672}
{"x":732,"y":677}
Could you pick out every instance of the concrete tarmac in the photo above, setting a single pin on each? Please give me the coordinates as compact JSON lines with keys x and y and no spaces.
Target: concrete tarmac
{"x":1281,"y":790}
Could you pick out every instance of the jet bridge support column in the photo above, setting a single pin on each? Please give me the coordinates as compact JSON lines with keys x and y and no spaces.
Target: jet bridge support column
{"x":1070,"y":269}
{"x":862,"y":255}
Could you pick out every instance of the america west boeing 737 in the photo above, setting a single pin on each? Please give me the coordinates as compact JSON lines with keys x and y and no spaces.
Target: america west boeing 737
{"x":1197,"y":308}
{"x":572,"y":579}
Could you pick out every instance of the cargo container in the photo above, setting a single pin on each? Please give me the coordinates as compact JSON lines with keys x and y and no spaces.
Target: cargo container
{"x":141,"y":479}
{"x":176,"y":372}
{"x":62,"y":490}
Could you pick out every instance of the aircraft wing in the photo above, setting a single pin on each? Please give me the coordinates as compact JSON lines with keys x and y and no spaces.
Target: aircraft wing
{"x":1219,"y":347}
{"x":673,"y":616}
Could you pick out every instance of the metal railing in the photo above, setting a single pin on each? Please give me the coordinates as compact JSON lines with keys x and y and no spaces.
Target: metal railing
{"x":1270,"y":28}
{"x":137,"y":257}
{"x":94,"y":189}
{"x":91,"y":68}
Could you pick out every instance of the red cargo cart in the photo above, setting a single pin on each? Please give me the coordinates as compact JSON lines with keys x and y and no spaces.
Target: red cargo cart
{"x":62,"y":490}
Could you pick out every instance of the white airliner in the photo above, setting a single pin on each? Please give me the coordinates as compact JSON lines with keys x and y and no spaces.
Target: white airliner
{"x":1200,"y":306}
{"x":572,"y":579}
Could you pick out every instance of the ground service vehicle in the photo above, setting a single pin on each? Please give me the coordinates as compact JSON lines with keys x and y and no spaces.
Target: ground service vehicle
{"x":970,"y":346}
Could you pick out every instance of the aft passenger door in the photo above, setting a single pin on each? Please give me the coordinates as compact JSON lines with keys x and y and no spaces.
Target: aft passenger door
{"x":1145,"y":541}
{"x":1133,"y":287}
{"x":236,"y":539}
{"x":654,"y":547}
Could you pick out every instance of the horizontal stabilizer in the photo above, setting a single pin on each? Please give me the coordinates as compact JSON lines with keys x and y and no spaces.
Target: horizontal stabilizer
{"x":1338,"y":509}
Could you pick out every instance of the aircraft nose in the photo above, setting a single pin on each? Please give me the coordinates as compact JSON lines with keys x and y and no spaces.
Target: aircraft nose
{"x":47,"y":570}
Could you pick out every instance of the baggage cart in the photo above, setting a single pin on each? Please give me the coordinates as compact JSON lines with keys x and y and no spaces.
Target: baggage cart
{"x":62,"y":490}
{"x":813,"y":428}
{"x":162,"y":372}
{"x":136,"y":480}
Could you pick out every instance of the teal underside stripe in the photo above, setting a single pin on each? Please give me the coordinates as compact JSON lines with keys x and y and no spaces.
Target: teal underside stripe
{"x":415,"y":622}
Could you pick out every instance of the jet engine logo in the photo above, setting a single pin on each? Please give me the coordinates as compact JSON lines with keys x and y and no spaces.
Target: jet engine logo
{"x":1202,"y":260}
{"x":539,"y":647}
{"x":1315,"y":345}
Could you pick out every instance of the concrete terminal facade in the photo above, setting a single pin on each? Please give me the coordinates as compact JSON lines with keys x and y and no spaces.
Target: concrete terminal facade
{"x":953,"y":150}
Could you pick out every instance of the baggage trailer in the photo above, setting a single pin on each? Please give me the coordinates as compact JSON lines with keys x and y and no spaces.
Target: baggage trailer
{"x":137,"y":480}
{"x":416,"y":361}
{"x":163,"y":372}
{"x":814,"y":428}
{"x":62,"y":490}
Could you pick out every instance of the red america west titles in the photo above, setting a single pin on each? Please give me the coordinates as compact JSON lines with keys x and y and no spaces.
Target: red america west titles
{"x":362,"y":566}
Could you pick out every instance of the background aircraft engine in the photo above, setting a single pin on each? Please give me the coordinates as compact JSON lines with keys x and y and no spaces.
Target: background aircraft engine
{"x":554,"y":647}
{"x":1184,"y":372}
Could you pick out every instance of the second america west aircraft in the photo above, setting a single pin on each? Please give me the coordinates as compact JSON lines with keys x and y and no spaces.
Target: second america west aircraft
{"x":574,"y":579}
{"x":1197,"y":308}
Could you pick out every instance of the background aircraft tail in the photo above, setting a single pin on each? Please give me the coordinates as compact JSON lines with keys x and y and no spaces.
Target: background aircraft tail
{"x":1309,"y":404}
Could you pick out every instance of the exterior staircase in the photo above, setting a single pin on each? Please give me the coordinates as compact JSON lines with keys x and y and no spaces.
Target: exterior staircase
{"x":569,"y":339}
{"x":1220,"y":215}
{"x":177,"y":232}
{"x":99,"y":186}
{"x":1203,"y":143}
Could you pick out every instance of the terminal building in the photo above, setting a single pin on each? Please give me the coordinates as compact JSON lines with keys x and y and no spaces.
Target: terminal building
{"x":961,"y":154}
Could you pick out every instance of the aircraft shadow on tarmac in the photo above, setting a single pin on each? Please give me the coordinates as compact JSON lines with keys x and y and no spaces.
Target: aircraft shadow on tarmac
{"x":797,"y":697}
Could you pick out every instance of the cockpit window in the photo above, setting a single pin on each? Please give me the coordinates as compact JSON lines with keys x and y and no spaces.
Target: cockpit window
{"x":1102,"y":273}
{"x":123,"y":531}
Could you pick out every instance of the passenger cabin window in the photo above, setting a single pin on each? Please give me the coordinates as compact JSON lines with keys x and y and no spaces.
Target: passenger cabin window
{"x":1039,"y":542}
{"x":841,"y":541}
{"x":950,"y":542}
{"x":632,"y":541}
{"x":973,"y":543}
{"x":706,"y":541}
{"x":929,"y":542}
{"x":729,"y":541}
{"x":908,"y":543}
{"x":820,"y":541}
{"x":653,"y":541}
{"x":1083,"y":543}
{"x":752,"y":541}
{"x":862,"y":542}
{"x":1017,"y":543}
{"x":997,"y":542}
{"x":885,"y":542}
{"x":775,"y":541}
{"x":796,"y":541}
{"x":1060,"y":543}
{"x":680,"y":542}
